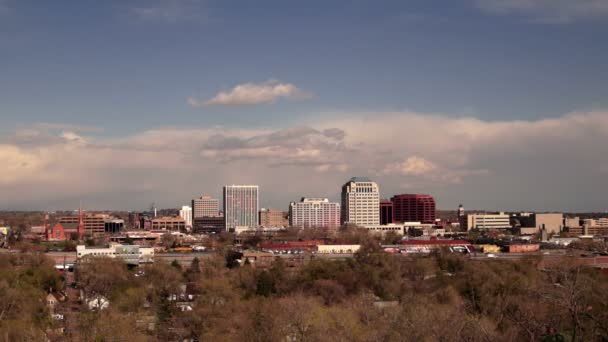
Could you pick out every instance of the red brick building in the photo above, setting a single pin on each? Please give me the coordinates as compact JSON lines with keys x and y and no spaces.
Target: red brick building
{"x":63,"y":231}
{"x":413,"y":208}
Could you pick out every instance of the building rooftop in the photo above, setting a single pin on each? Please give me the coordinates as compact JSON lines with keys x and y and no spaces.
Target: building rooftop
{"x":360,"y":179}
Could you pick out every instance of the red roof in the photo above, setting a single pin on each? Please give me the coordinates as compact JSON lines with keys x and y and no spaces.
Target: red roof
{"x":292,"y":244}
{"x":435,"y":242}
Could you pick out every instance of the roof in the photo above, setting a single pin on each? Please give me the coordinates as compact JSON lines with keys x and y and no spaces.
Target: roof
{"x":360,"y":179}
{"x":435,"y":242}
{"x":69,"y":225}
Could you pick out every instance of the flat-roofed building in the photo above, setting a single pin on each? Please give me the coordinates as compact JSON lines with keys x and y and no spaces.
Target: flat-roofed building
{"x":532,"y":223}
{"x":113,"y":226}
{"x":208,"y":224}
{"x":174,"y":224}
{"x":360,"y":202}
{"x":130,"y":254}
{"x":241,"y":206}
{"x":486,"y":221}
{"x":186,"y":213}
{"x":273,"y":218}
{"x":314,"y":212}
{"x":413,"y":208}
{"x":93,"y":224}
{"x":397,"y":228}
{"x":205,"y":206}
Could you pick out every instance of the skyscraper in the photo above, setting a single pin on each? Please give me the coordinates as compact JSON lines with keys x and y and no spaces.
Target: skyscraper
{"x":360,"y":202}
{"x":205,"y":206}
{"x":314,"y":212}
{"x":241,"y":206}
{"x":413,"y":208}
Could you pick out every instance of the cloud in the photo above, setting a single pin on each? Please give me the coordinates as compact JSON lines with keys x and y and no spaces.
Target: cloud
{"x":252,"y":94}
{"x":548,"y":11}
{"x":412,"y":166}
{"x":170,"y":11}
{"x":555,"y":163}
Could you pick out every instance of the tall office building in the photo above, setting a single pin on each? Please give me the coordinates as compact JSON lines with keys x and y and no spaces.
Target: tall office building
{"x":314,"y":212}
{"x":360,"y":202}
{"x":205,"y":206}
{"x":241,"y":206}
{"x":186,"y":214}
{"x":413,"y":208}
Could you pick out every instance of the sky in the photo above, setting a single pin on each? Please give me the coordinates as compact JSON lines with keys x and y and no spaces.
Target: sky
{"x":495,"y":104}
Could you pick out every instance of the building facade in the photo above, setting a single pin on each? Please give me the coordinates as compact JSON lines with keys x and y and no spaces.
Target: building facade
{"x":360,"y":202}
{"x":174,"y":224}
{"x":93,"y":224}
{"x":114,"y":226}
{"x":413,"y":208}
{"x":386,"y":212}
{"x":241,"y":206}
{"x":205,"y":206}
{"x":130,"y":254}
{"x":486,"y":221}
{"x":209,"y":224}
{"x":273,"y":218}
{"x":314,"y":212}
{"x":186,"y":214}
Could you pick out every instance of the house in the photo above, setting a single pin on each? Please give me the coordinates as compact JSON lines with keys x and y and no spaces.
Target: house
{"x":95,"y":302}
{"x":52,"y":299}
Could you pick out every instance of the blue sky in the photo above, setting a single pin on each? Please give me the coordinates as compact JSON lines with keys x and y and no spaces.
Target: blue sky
{"x":111,"y":72}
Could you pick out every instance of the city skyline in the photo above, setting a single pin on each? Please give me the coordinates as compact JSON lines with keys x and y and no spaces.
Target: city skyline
{"x":498,"y":105}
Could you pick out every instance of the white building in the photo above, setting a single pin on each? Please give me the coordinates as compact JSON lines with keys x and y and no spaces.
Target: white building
{"x":486,"y":221}
{"x":360,"y":202}
{"x":338,"y":249}
{"x":314,"y":212}
{"x":205,"y":206}
{"x":241,"y":206}
{"x":397,"y":228}
{"x":186,"y":214}
{"x":131,"y":254}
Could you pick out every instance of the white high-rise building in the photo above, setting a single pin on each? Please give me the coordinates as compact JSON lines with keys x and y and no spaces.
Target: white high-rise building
{"x":186,"y":214}
{"x":205,"y":206}
{"x":241,"y":206}
{"x":314,"y":212}
{"x":360,"y":202}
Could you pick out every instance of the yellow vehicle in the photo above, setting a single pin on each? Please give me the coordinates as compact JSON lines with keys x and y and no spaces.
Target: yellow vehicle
{"x":183,"y":249}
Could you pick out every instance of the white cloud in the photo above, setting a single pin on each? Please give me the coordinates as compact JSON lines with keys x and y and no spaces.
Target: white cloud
{"x":412,"y":166}
{"x":551,"y":163}
{"x":548,"y":11}
{"x":170,"y":11}
{"x":253,"y":93}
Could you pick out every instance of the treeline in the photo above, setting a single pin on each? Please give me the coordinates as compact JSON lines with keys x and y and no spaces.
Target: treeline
{"x":372,"y":297}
